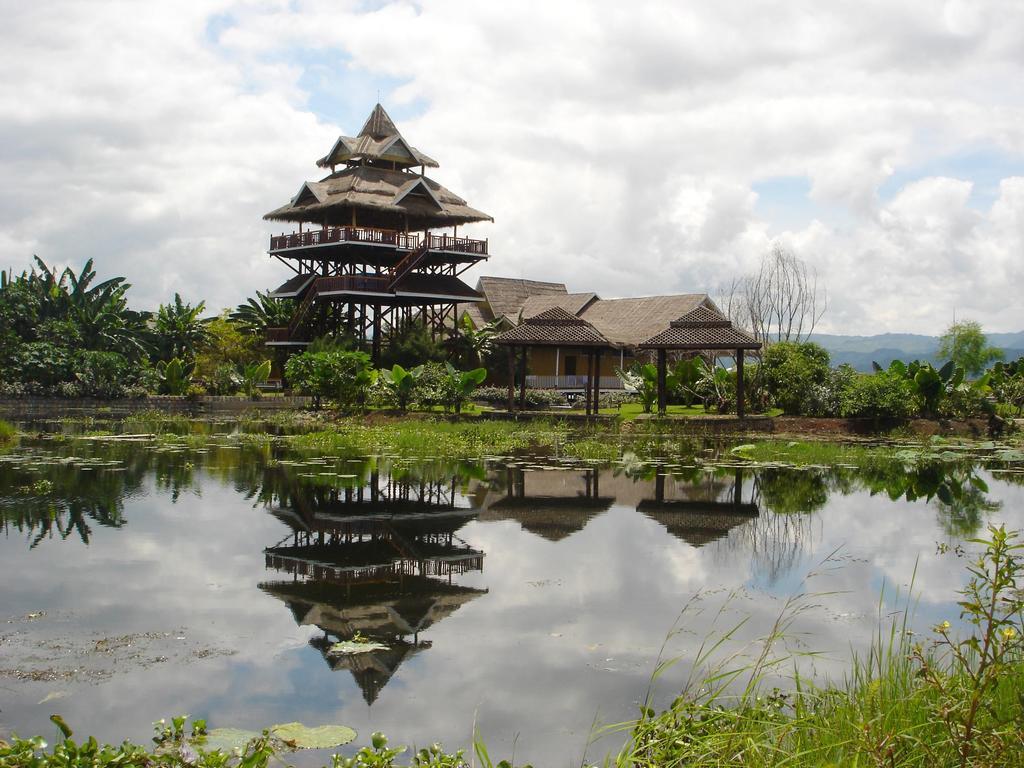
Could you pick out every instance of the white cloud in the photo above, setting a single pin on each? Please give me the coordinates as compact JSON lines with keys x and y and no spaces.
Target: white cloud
{"x":617,"y":145}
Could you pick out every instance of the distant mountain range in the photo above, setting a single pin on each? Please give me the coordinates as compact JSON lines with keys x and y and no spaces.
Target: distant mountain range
{"x":861,"y":351}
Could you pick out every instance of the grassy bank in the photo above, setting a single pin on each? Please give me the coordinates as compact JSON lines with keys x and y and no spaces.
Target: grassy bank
{"x":945,"y":700}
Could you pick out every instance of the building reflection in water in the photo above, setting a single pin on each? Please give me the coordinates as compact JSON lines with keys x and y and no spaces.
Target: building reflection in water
{"x":701,"y":512}
{"x":557,"y":504}
{"x":373,"y":563}
{"x":554,"y":504}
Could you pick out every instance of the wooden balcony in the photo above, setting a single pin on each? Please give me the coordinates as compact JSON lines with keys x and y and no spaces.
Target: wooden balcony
{"x":406,"y":241}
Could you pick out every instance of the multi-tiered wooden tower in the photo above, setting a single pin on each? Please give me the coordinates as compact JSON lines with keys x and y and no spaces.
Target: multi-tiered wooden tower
{"x":377,"y":244}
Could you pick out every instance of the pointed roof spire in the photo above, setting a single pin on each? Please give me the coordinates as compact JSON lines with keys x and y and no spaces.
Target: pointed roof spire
{"x":379,"y":125}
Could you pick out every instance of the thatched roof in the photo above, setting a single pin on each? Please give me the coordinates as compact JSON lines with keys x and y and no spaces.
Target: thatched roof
{"x":573,"y":303}
{"x":505,"y":295}
{"x":379,"y":140}
{"x":381,"y":190}
{"x":702,"y":328}
{"x":630,"y":322}
{"x":698,"y":523}
{"x":553,"y":327}
{"x":550,"y":517}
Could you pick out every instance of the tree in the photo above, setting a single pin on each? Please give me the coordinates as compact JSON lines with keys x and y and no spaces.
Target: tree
{"x":180,"y":330}
{"x":782,"y":302}
{"x":262,"y":312}
{"x":966,"y":345}
{"x":472,"y":345}
{"x":792,"y":373}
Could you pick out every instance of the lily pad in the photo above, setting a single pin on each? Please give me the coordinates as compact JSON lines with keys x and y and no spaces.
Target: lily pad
{"x":228,"y":739}
{"x":323,"y":737}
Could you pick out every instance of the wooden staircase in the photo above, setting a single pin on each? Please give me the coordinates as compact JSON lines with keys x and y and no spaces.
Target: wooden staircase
{"x":300,"y":314}
{"x":410,"y":262}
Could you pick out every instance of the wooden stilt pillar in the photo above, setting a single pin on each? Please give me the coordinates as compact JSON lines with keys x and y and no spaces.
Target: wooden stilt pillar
{"x":662,"y":395}
{"x":522,"y":384}
{"x":376,"y":333}
{"x":511,"y":378}
{"x":740,"y":405}
{"x":597,"y":382}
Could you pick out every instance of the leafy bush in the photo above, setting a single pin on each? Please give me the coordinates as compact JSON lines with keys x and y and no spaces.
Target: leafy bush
{"x":409,"y":346}
{"x":535,"y":398}
{"x":343,"y":376}
{"x":616,"y":398}
{"x":7,"y":432}
{"x":224,"y":380}
{"x":433,"y":386}
{"x":826,"y":399}
{"x":42,"y":362}
{"x":175,"y":376}
{"x":103,"y":374}
{"x":879,"y":396}
{"x":791,"y":372}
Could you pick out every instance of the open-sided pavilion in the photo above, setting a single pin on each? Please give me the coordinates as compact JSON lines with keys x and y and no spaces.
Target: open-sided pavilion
{"x":702,"y":330}
{"x":555,"y":327}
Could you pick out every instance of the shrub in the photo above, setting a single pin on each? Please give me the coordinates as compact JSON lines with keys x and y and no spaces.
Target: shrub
{"x":879,"y":396}
{"x":42,"y":362}
{"x":7,"y":432}
{"x":433,"y":386}
{"x":410,"y":346}
{"x":792,"y":372}
{"x":344,"y":376}
{"x":535,"y":398}
{"x":102,"y":374}
{"x":224,"y":380}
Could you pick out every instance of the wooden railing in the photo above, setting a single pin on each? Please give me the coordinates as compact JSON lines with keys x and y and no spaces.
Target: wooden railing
{"x":400,"y":240}
{"x":458,"y":244}
{"x":329,"y":235}
{"x":570,"y":382}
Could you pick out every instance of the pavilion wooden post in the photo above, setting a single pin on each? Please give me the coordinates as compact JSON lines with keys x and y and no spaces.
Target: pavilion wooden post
{"x":590,"y":379}
{"x":511,"y":378}
{"x":597,"y":382}
{"x":522,"y":384}
{"x":662,"y":365}
{"x":740,"y":411}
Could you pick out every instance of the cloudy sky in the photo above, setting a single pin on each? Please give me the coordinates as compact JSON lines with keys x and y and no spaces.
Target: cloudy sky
{"x":630,"y":148}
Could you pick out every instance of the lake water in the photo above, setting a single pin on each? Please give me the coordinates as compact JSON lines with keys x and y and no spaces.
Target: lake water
{"x":525,"y":597}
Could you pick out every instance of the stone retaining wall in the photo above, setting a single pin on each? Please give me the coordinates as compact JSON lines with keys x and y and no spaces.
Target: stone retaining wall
{"x":50,"y":407}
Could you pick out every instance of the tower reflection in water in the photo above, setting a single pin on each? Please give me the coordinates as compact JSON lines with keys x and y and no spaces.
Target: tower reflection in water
{"x":372,"y":566}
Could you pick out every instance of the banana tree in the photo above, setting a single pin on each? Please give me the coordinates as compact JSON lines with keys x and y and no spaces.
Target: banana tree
{"x":402,"y":383}
{"x":175,"y":376}
{"x":253,"y":375}
{"x":462,"y":383}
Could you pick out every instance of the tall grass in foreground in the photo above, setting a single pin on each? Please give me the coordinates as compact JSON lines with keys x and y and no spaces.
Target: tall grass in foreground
{"x":952,"y":702}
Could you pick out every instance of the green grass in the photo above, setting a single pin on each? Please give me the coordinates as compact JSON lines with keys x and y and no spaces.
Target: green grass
{"x":7,"y":432}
